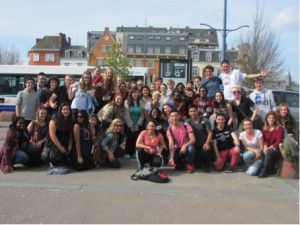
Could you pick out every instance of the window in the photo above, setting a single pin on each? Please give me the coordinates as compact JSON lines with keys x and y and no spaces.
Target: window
{"x":208,"y":56}
{"x":99,"y":62}
{"x":79,"y":64}
{"x":103,"y":48}
{"x":181,"y":39}
{"x":104,"y":62}
{"x":80,"y":54}
{"x":139,"y":37}
{"x":138,"y":63}
{"x":130,"y":49}
{"x":204,"y":40}
{"x":195,"y":70}
{"x":168,"y":38}
{"x":150,"y":49}
{"x":49,"y":57}
{"x":151,"y":38}
{"x":109,"y":48}
{"x":157,"y":50}
{"x":195,"y":57}
{"x":192,"y":40}
{"x":157,"y":38}
{"x":36,"y":57}
{"x":131,"y":37}
{"x":67,"y":54}
{"x":167,"y":50}
{"x":67,"y":64}
{"x":138,"y":49}
{"x":151,"y":63}
{"x":181,"y":50}
{"x":130,"y":61}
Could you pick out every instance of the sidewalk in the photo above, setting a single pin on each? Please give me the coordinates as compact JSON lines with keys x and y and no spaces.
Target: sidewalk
{"x":109,"y":196}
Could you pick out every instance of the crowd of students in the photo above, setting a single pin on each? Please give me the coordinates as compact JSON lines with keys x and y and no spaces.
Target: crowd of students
{"x":188,"y":126}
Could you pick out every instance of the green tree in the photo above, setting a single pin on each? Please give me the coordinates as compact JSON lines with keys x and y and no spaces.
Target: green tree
{"x":259,"y":49}
{"x":118,"y":60}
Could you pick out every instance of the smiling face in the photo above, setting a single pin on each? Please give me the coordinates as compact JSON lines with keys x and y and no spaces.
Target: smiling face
{"x":21,"y":124}
{"x":151,"y":127}
{"x":271,"y":120}
{"x":119,"y":100}
{"x":283,"y":111}
{"x":43,"y":114}
{"x":225,"y":68}
{"x":247,"y":125}
{"x":218,"y":97}
{"x":65,"y":111}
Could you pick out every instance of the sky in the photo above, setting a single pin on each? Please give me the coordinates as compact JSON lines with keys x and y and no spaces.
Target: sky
{"x":22,"y":21}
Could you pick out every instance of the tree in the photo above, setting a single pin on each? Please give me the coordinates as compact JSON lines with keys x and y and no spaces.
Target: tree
{"x":118,"y":60}
{"x":9,"y":56}
{"x":259,"y":49}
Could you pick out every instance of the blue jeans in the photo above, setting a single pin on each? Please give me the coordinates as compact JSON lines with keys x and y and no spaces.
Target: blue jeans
{"x":255,"y":168}
{"x":21,"y":157}
{"x":189,"y":155}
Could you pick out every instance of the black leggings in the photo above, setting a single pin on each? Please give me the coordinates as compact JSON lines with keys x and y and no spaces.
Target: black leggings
{"x":144,"y":158}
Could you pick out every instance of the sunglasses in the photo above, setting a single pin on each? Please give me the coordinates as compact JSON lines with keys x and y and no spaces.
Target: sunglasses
{"x":118,"y":125}
{"x":79,"y":116}
{"x":236,"y":92}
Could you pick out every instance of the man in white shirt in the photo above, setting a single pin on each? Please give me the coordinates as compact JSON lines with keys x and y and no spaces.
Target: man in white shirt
{"x":234,"y":77}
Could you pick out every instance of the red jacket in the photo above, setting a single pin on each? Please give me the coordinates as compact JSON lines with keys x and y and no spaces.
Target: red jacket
{"x":274,"y":137}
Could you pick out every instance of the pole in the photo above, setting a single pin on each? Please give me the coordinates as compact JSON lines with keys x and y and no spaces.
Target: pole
{"x":224,"y":29}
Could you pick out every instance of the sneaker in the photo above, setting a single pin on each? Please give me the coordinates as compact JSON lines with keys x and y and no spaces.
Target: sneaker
{"x":229,"y":170}
{"x":127,"y":156}
{"x":190,"y":169}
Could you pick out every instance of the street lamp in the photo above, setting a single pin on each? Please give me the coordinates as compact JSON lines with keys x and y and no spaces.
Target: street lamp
{"x":224,"y":31}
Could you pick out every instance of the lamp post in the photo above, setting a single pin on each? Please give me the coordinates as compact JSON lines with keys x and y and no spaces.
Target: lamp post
{"x":224,"y":31}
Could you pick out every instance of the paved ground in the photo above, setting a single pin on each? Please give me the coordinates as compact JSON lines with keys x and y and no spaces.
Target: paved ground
{"x":109,"y":196}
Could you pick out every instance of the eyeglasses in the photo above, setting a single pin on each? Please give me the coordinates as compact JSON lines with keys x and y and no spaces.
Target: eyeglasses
{"x":236,"y":92}
{"x":118,"y":125}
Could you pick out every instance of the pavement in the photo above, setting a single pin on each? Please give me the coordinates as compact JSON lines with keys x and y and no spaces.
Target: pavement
{"x":29,"y":195}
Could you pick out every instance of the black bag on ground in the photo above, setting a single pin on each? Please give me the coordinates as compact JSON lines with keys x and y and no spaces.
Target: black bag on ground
{"x":142,"y":174}
{"x":158,"y":177}
{"x":113,"y":164}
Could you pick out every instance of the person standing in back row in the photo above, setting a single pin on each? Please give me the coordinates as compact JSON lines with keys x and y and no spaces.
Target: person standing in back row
{"x":235,"y":77}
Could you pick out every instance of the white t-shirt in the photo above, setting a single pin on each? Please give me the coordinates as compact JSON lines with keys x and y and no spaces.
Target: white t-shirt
{"x":234,"y":77}
{"x":255,"y":142}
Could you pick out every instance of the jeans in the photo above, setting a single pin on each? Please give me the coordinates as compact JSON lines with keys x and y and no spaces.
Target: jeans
{"x":189,"y":155}
{"x":255,"y":167}
{"x":21,"y":157}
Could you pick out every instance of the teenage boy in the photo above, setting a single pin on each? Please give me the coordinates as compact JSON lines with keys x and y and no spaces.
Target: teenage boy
{"x":203,"y":133}
{"x":181,"y":143}
{"x":226,"y":145}
{"x":211,"y":83}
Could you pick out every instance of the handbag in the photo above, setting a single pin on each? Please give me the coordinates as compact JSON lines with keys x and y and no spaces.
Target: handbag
{"x":51,"y":153}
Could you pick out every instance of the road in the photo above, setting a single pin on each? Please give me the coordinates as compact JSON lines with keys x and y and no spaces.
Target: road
{"x":29,"y":195}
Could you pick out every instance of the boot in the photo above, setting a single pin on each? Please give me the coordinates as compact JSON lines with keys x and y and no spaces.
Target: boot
{"x":263,"y":174}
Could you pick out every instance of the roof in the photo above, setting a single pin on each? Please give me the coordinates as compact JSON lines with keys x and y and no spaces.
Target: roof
{"x":47,"y":43}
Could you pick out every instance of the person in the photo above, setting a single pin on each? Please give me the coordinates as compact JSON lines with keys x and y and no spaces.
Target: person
{"x":108,"y":87}
{"x":27,"y":102}
{"x":163,"y":93}
{"x":114,"y":109}
{"x":226,"y":145}
{"x":221,"y":105}
{"x":60,"y":95}
{"x":145,"y":95}
{"x":203,"y":104}
{"x":232,"y":77}
{"x":139,"y":84}
{"x":263,"y":98}
{"x":181,"y":143}
{"x":16,"y":148}
{"x":158,"y":82}
{"x":38,"y":131}
{"x":81,"y":156}
{"x":154,"y":103}
{"x":171,"y":87}
{"x":41,"y":83}
{"x":166,"y":109}
{"x":273,"y":136}
{"x":113,"y":144}
{"x":241,"y":106}
{"x":122,"y":90}
{"x":197,"y":83}
{"x":82,"y":94}
{"x":177,"y":102}
{"x":190,"y":84}
{"x":252,"y":140}
{"x":180,"y":86}
{"x":119,"y":80}
{"x":97,"y":85}
{"x":149,"y":146}
{"x":136,"y":115}
{"x":47,"y":93}
{"x":290,"y":149}
{"x":96,"y":75}
{"x":211,"y":83}
{"x":203,"y":132}
{"x":61,"y":135}
{"x":152,"y":88}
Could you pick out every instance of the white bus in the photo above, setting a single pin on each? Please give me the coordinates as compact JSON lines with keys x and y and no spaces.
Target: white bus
{"x":12,"y":79}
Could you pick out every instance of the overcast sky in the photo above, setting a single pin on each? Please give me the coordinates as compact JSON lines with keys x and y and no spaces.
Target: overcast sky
{"x":22,"y":21}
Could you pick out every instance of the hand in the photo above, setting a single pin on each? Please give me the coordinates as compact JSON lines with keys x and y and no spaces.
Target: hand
{"x":111,"y":156}
{"x":237,"y":149}
{"x":206,"y":146}
{"x":218,"y":161}
{"x":132,"y":129}
{"x":159,"y":154}
{"x":257,"y":154}
{"x":171,"y":162}
{"x":80,"y":159}
{"x":264,"y":73}
{"x":183,"y":149}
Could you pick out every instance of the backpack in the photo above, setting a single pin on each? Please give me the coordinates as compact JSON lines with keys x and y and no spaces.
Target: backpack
{"x":142,"y":174}
{"x":158,"y":177}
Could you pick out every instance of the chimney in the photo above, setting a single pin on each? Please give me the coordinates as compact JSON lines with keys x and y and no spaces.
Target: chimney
{"x":61,"y":40}
{"x":37,"y":40}
{"x":69,"y":41}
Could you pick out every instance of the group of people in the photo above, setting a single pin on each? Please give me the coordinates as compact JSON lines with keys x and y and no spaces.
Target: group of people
{"x":187,"y":126}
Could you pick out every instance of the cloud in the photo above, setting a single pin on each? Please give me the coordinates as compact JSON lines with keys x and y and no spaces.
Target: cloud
{"x":286,"y":19}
